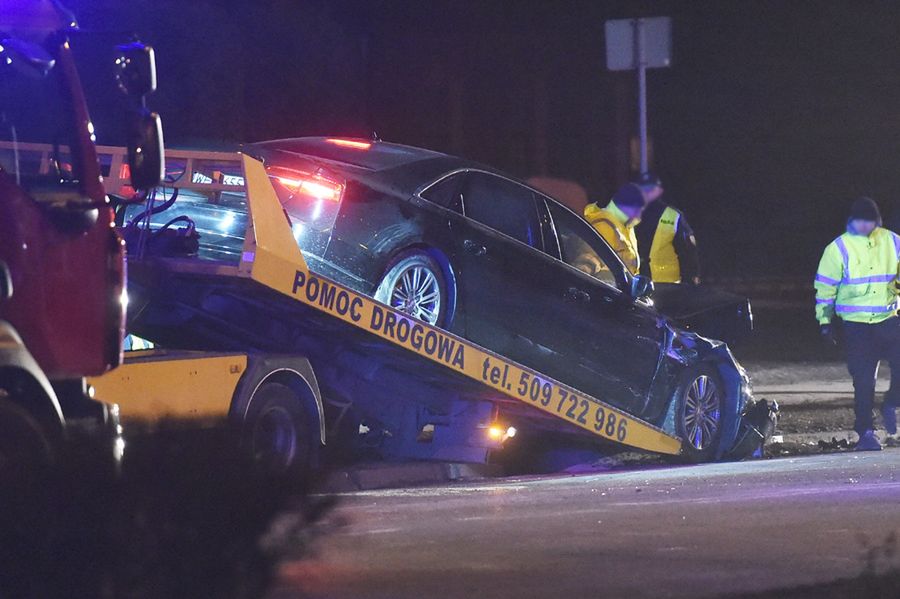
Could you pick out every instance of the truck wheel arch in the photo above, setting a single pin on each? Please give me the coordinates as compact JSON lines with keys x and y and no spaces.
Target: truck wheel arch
{"x":19,"y":370}
{"x":294,"y":372}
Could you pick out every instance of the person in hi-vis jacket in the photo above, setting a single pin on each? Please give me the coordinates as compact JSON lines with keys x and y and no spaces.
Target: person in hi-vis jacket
{"x":857,"y":283}
{"x":616,"y":223}
{"x":665,"y":239}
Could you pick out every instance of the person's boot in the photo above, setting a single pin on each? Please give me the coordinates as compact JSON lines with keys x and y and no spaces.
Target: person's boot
{"x":868,"y":442}
{"x":889,"y":416}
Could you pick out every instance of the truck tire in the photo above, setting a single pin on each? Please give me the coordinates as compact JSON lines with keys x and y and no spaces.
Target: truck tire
{"x":699,"y":413}
{"x":278,"y":431}
{"x":22,"y":440}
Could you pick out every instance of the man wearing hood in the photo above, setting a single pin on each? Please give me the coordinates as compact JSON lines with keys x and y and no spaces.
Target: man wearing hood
{"x":857,"y":282}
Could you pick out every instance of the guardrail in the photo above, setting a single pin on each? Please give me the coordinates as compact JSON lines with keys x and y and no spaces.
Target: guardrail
{"x":203,"y":171}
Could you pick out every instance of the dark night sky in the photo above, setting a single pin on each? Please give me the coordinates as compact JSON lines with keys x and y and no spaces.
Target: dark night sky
{"x":774,"y":115}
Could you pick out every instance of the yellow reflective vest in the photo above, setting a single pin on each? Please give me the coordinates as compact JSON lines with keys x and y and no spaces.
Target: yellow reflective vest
{"x":857,"y":278}
{"x":664,"y":264}
{"x":617,"y":230}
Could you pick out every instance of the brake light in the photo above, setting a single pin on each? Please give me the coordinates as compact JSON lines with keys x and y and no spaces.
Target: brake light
{"x":125,"y":188}
{"x":315,"y":186}
{"x":350,"y":143}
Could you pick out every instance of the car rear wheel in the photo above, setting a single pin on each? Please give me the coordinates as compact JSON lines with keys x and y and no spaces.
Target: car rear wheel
{"x":277,"y":431}
{"x":414,"y":284}
{"x":701,"y":399}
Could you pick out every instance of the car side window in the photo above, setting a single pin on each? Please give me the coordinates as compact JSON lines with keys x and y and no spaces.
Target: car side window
{"x":503,"y":206}
{"x":579,"y":248}
{"x":445,"y":192}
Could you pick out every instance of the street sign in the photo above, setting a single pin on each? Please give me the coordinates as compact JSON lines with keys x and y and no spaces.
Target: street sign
{"x":639,"y":44}
{"x":623,"y":45}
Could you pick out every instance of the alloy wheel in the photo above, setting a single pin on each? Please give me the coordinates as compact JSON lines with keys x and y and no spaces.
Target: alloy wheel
{"x":417,"y":292}
{"x":702,"y":412}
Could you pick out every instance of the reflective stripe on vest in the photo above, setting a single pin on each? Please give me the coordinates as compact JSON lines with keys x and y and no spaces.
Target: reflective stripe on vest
{"x":870,"y":309}
{"x":826,"y":280}
{"x":842,"y":248}
{"x":664,"y":265}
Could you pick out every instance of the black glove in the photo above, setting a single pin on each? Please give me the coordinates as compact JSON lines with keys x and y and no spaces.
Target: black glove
{"x":827,"y":333}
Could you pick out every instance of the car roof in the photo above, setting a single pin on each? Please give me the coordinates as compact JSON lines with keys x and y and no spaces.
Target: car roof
{"x":404,"y":169}
{"x":363,"y":153}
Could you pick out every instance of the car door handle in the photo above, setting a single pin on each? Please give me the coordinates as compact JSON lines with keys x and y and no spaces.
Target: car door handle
{"x":577,"y":295}
{"x":474,"y":248}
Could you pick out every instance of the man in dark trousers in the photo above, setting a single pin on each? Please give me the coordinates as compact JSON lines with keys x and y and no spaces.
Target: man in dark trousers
{"x":857,"y":282}
{"x":664,"y":238}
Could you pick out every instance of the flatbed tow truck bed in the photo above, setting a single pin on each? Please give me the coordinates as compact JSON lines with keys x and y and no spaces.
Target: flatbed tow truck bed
{"x":420,"y":391}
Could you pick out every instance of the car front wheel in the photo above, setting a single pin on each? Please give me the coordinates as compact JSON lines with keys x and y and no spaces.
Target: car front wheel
{"x":414,"y":284}
{"x":701,"y":400}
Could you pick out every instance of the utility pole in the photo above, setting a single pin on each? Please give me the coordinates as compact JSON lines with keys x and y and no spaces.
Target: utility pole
{"x":638,"y":45}
{"x":640,"y":61}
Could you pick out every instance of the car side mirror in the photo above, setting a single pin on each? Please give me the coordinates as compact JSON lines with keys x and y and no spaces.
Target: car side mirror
{"x":641,"y":287}
{"x":6,"y":285}
{"x":136,"y":76}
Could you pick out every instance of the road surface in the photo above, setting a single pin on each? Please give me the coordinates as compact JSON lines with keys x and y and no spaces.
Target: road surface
{"x":686,"y":531}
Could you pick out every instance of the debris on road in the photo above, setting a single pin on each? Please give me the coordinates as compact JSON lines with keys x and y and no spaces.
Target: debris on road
{"x":835,"y":445}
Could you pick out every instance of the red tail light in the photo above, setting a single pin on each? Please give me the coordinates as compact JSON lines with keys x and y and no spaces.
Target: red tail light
{"x":350,"y":143}
{"x":314,"y":186}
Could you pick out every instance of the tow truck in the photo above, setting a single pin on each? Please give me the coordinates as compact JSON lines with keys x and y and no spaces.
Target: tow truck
{"x":62,"y":265}
{"x":301,"y":362}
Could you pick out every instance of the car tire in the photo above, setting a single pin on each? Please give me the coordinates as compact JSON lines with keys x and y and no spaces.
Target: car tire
{"x":699,"y":413}
{"x":22,"y":439}
{"x":414,"y":284}
{"x":277,"y":430}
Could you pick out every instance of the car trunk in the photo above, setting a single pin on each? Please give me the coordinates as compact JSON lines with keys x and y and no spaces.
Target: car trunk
{"x":706,"y":311}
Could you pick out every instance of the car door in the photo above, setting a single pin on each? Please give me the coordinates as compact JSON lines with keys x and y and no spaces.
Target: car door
{"x":499,"y":255}
{"x":615,"y":342}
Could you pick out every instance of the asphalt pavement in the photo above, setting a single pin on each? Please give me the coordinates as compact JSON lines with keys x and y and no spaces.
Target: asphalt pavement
{"x":714,"y":530}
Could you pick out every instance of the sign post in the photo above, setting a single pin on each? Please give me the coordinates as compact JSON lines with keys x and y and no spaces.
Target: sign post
{"x":639,"y":44}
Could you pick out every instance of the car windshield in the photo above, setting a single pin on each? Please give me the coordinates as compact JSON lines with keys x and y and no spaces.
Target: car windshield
{"x":35,"y":118}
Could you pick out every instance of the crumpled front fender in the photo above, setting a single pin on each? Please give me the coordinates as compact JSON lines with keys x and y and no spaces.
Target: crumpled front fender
{"x":747,"y":423}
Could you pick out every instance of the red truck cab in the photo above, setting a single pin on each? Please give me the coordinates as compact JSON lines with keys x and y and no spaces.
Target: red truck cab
{"x":62,"y":264}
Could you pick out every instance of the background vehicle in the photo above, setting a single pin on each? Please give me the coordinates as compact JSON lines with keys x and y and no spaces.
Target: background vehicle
{"x":456,"y":245}
{"x":62,"y":266}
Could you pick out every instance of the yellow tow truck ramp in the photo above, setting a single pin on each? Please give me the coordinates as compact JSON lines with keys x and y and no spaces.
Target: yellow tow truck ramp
{"x":203,"y":385}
